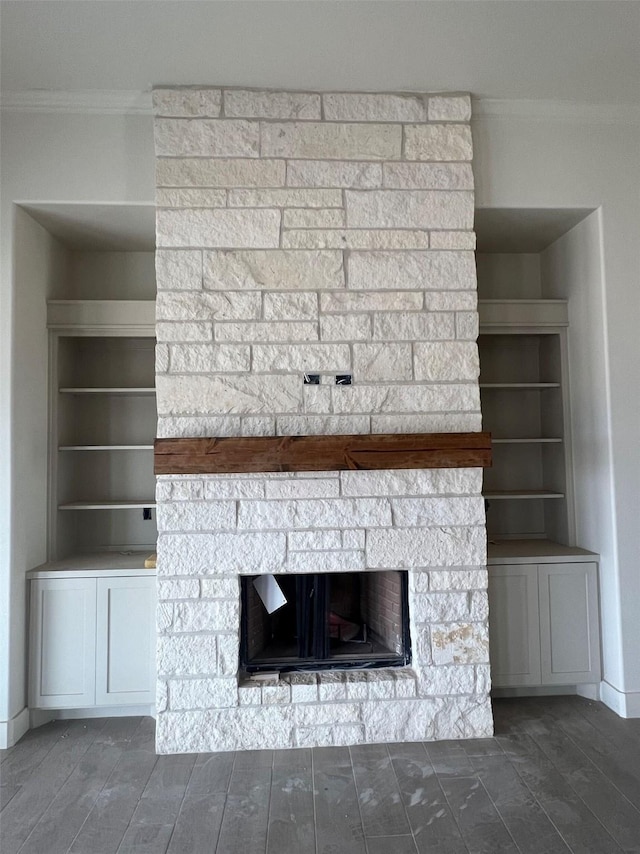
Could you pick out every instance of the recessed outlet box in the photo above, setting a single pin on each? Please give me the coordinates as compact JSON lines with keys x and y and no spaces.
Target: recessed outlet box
{"x":311,"y":379}
{"x":343,"y":379}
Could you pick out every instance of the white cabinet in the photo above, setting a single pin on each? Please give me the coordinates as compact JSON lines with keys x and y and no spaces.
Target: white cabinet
{"x":543,"y":623}
{"x":92,"y":639}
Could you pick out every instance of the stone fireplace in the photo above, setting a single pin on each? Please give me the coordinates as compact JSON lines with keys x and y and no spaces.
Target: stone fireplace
{"x":316,"y":276}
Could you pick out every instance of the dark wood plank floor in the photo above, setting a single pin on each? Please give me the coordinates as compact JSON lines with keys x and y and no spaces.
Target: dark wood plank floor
{"x":562,"y":775}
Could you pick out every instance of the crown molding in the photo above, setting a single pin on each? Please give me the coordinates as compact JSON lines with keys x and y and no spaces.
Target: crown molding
{"x":567,"y":111}
{"x":136,"y":102}
{"x":91,"y":101}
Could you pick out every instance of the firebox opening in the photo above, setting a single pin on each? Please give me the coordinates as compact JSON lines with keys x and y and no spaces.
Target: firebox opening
{"x":329,"y":621}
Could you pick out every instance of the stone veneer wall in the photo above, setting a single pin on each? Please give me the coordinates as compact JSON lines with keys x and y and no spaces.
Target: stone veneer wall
{"x":323,"y":233}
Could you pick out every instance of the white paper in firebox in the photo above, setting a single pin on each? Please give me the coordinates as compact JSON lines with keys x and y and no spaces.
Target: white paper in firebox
{"x":270,"y":592}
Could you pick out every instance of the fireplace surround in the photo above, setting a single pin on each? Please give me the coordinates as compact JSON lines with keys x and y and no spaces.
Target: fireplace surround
{"x":323,"y":233}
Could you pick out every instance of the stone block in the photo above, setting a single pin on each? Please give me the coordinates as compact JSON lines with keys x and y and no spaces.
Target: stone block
{"x":219,"y":587}
{"x":345,"y":735}
{"x":258,"y":426}
{"x":162,"y":695}
{"x":406,"y":683}
{"x":451,"y":300}
{"x":314,"y":540}
{"x":357,"y":685}
{"x":447,"y":680}
{"x":438,"y":142}
{"x":470,"y":422}
{"x":178,"y":588}
{"x":437,"y":271}
{"x":330,"y":141}
{"x":209,"y":358}
{"x":217,"y":489}
{"x":409,"y":209}
{"x":420,"y":482}
{"x":179,"y":270}
{"x":228,"y":652}
{"x":404,"y":548}
{"x":353,"y":539}
{"x":210,"y":306}
{"x":335,"y":358}
{"x":382,"y":362}
{"x":215,"y":615}
{"x":259,"y":104}
{"x":314,"y":714}
{"x":316,"y":399}
{"x":323,"y":173}
{"x":314,"y":513}
{"x":449,"y":108}
{"x":382,"y":685}
{"x":219,"y":172}
{"x":313,"y":736}
{"x":428,"y":512}
{"x":194,"y":395}
{"x":304,"y":687}
{"x":203,"y":693}
{"x":178,"y":490}
{"x":398,"y":720}
{"x":296,"y":305}
{"x":416,"y":326}
{"x":479,"y":605}
{"x":206,"y":138}
{"x":440,"y":607}
{"x":352,"y":327}
{"x":250,"y":694}
{"x":305,"y":488}
{"x":190,"y":197}
{"x":279,"y":270}
{"x":201,"y":425}
{"x":331,"y":687}
{"x":215,"y":227}
{"x":275,"y":695}
{"x":460,"y":643}
{"x":286,"y":198}
{"x":186,"y":655}
{"x":164,"y":616}
{"x":198,"y":554}
{"x":355,"y":239}
{"x":405,"y":398}
{"x":322,"y":425}
{"x":467,"y":325}
{"x":184,"y":331}
{"x":450,"y":361}
{"x":427,"y":176}
{"x":352,"y":301}
{"x":269,"y":331}
{"x":483,"y":679}
{"x":464,"y":240}
{"x":310,"y":218}
{"x":365,"y":107}
{"x":338,"y":561}
{"x":187,"y":102}
{"x":162,"y":358}
{"x":458,"y":579}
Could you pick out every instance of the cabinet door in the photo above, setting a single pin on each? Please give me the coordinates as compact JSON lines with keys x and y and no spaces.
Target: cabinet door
{"x":514,"y":629}
{"x":126,"y":637}
{"x":63,"y":643}
{"x":569,"y":623}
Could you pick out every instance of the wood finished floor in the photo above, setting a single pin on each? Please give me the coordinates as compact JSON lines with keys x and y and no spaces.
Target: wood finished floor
{"x":561,"y":775}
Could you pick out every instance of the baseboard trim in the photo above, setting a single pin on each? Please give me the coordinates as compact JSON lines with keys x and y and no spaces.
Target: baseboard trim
{"x":12,"y":731}
{"x":624,"y":704}
{"x":535,"y":691}
{"x":93,"y":712}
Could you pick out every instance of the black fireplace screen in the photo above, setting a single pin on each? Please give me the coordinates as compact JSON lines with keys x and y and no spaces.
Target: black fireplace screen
{"x":324,"y":621}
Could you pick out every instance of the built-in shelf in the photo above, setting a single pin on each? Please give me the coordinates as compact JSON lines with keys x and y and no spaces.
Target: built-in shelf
{"x":105,"y":448}
{"x":537,"y":440}
{"x":107,"y":505}
{"x":108,"y":390}
{"x":518,"y":386}
{"x":521,"y":494}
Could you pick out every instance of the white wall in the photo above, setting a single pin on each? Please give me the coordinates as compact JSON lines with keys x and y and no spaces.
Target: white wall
{"x":533,"y":162}
{"x":520,"y":162}
{"x":44,"y":158}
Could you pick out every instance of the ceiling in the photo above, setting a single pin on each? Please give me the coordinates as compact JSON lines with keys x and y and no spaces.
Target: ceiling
{"x":586,"y":52}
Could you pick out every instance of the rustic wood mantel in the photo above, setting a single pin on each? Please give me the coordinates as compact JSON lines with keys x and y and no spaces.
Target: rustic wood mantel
{"x":322,"y":453}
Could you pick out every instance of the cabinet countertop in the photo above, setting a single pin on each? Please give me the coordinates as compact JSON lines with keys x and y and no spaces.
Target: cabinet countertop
{"x":536,"y":551}
{"x":95,"y":565}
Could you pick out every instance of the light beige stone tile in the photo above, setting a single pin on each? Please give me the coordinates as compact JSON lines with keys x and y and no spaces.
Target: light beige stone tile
{"x":290,"y":306}
{"x":187,"y":102}
{"x":453,"y":361}
{"x":202,"y":307}
{"x":219,"y":172}
{"x":319,"y":140}
{"x":308,"y":358}
{"x":382,"y":362}
{"x":350,"y":301}
{"x":215,"y":227}
{"x":228,"y":394}
{"x":411,"y":270}
{"x":413,"y":326}
{"x":409,"y":209}
{"x":453,"y":240}
{"x":260,"y":104}
{"x":428,"y":176}
{"x":356,"y":239}
{"x":323,"y":173}
{"x":209,"y":358}
{"x":309,"y":218}
{"x":178,"y":269}
{"x":449,"y":108}
{"x":349,"y":327}
{"x":268,"y":331}
{"x":287,"y":198}
{"x":206,"y":138}
{"x":276,"y":270}
{"x":438,"y":142}
{"x":190,"y":197}
{"x":365,"y":107}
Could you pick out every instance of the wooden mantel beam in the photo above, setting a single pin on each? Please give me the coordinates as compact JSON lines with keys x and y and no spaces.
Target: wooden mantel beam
{"x":322,"y":453}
